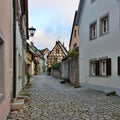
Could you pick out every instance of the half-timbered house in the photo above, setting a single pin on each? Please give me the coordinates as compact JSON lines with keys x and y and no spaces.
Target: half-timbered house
{"x":57,"y":53}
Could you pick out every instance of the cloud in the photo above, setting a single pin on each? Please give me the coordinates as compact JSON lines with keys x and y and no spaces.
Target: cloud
{"x":51,"y":18}
{"x":65,"y":7}
{"x":42,"y":40}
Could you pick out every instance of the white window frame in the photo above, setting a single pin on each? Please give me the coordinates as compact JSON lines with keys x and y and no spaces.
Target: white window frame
{"x":92,"y":68}
{"x":103,"y":67}
{"x":93,"y":30}
{"x":104,"y":24}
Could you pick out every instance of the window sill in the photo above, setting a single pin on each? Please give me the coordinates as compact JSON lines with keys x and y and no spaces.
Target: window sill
{"x":102,"y":34}
{"x":93,"y":38}
{"x":105,"y":76}
{"x":1,"y":97}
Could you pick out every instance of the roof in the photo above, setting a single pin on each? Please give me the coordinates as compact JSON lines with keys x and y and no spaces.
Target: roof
{"x":80,"y":8}
{"x":44,"y":51}
{"x":34,"y":51}
{"x":61,"y":46}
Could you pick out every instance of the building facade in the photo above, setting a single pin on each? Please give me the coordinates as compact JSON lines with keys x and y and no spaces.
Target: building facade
{"x":35,"y":60}
{"x":5,"y":63}
{"x":21,"y":36}
{"x":99,"y":34}
{"x":57,"y":54}
{"x":74,"y":39}
{"x":45,"y":53}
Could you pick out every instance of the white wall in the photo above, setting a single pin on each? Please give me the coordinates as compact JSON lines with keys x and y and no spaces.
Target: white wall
{"x":19,"y":53}
{"x":106,"y":45}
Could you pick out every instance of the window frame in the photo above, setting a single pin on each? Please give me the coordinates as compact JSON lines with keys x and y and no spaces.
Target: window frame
{"x":75,"y":45}
{"x":57,"y":51}
{"x":99,"y":67}
{"x":92,"y":68}
{"x":75,"y":33}
{"x":104,"y":27}
{"x":92,"y":26}
{"x":102,"y":67}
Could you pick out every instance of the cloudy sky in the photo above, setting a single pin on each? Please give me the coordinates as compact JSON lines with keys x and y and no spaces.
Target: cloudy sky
{"x":53,"y":20}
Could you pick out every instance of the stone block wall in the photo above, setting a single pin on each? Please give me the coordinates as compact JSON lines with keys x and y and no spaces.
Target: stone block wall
{"x":74,"y":70}
{"x":64,"y":70}
{"x":56,"y":73}
{"x":70,"y":70}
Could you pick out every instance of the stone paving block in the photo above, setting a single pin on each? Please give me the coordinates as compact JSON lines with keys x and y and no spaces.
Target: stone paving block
{"x":51,"y":100}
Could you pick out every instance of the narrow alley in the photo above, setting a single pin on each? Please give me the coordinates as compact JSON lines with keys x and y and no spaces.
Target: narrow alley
{"x":51,"y":100}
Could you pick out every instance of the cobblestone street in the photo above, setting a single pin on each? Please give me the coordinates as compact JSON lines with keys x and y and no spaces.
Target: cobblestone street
{"x":51,"y":100}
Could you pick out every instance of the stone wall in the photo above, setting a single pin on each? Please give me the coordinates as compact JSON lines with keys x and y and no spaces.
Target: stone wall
{"x":64,"y":70}
{"x":70,"y":70}
{"x":56,"y":73}
{"x":74,"y":70}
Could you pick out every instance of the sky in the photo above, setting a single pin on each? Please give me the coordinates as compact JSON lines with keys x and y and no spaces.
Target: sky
{"x":53,"y":21}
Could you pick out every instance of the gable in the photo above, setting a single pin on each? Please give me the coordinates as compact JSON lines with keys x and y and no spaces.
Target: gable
{"x":58,"y":47}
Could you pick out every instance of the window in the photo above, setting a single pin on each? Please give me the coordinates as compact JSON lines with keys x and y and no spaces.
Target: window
{"x":103,"y":67}
{"x":100,"y":67}
{"x":1,"y":69}
{"x":93,"y":30}
{"x":75,"y":33}
{"x":92,"y":68}
{"x":75,"y":45}
{"x":104,"y":24}
{"x":55,"y":60}
{"x":57,"y":51}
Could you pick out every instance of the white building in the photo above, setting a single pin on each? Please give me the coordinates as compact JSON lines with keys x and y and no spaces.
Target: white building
{"x":99,"y":33}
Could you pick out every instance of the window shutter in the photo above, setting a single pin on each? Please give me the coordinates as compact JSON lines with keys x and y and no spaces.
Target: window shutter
{"x":118,"y":65}
{"x":96,"y":67}
{"x":108,"y":66}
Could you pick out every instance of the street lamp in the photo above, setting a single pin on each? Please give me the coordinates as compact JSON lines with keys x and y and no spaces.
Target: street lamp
{"x":32,"y":31}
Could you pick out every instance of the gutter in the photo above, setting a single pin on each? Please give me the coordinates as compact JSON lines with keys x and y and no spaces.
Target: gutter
{"x":14,"y":49}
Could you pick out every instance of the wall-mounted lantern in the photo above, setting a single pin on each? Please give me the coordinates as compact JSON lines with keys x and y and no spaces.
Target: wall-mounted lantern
{"x":32,"y":31}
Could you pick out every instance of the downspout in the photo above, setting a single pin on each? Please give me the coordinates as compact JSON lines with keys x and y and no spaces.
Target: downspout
{"x":14,"y":49}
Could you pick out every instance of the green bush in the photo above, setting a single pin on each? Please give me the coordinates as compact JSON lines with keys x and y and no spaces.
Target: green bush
{"x":56,"y":65}
{"x":72,"y":53}
{"x":49,"y":69}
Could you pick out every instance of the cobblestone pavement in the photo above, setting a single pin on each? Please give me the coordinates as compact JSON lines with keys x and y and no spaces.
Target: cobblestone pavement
{"x":51,"y":100}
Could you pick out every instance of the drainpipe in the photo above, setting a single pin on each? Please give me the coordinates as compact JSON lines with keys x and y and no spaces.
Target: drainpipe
{"x":14,"y":49}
